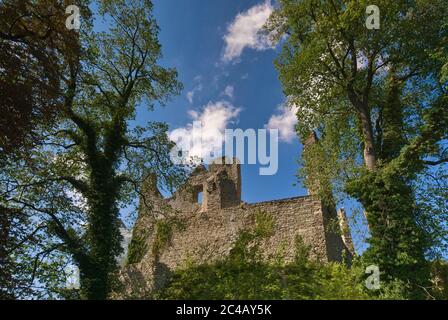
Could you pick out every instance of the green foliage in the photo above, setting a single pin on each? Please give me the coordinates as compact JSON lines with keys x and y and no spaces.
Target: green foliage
{"x":245,"y":275}
{"x":137,"y":247}
{"x":164,"y":232}
{"x":246,"y":247}
{"x":439,"y":275}
{"x":396,"y":243}
{"x":264,"y":224}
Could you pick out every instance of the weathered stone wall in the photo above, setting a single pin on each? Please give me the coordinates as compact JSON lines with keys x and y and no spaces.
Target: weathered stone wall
{"x":207,"y":231}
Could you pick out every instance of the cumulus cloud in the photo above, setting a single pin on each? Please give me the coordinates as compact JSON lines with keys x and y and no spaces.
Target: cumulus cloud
{"x":285,"y":121}
{"x":204,"y":136}
{"x":244,"y":32}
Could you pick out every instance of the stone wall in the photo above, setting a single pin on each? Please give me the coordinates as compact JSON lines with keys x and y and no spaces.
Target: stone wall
{"x":207,"y":231}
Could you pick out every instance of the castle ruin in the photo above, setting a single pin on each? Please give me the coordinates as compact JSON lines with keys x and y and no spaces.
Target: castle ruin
{"x":210,"y":227}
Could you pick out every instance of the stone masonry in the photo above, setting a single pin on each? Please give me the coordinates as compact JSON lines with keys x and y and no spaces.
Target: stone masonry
{"x":209,"y":229}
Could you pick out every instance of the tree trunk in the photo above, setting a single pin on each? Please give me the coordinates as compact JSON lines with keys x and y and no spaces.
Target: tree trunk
{"x":362,"y":109}
{"x":103,"y":231}
{"x":369,"y":141}
{"x":5,"y":267}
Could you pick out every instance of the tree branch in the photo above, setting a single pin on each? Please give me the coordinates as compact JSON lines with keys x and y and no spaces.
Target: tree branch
{"x":435,"y":163}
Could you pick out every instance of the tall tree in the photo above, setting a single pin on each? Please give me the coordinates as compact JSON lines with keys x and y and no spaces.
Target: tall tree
{"x":34,"y":43}
{"x":372,"y":95}
{"x":96,"y":159}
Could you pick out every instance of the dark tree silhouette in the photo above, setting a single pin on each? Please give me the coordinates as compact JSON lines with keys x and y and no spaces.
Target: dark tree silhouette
{"x":34,"y":42}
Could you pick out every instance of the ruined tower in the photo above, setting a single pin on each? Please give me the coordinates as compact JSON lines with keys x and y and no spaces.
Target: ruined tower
{"x":220,"y":187}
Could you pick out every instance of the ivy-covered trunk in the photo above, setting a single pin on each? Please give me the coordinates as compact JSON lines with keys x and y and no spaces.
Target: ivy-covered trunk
{"x":103,"y":233}
{"x":397,"y":243}
{"x":5,"y":268}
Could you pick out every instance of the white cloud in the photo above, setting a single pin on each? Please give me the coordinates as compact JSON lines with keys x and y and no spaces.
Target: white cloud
{"x":244,"y":31}
{"x":214,"y":119}
{"x":285,"y":122}
{"x":229,"y":91}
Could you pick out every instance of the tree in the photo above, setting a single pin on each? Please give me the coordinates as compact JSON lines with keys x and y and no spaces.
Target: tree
{"x":375,"y":95}
{"x":33,"y":44}
{"x":5,"y":268}
{"x":95,"y":160}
